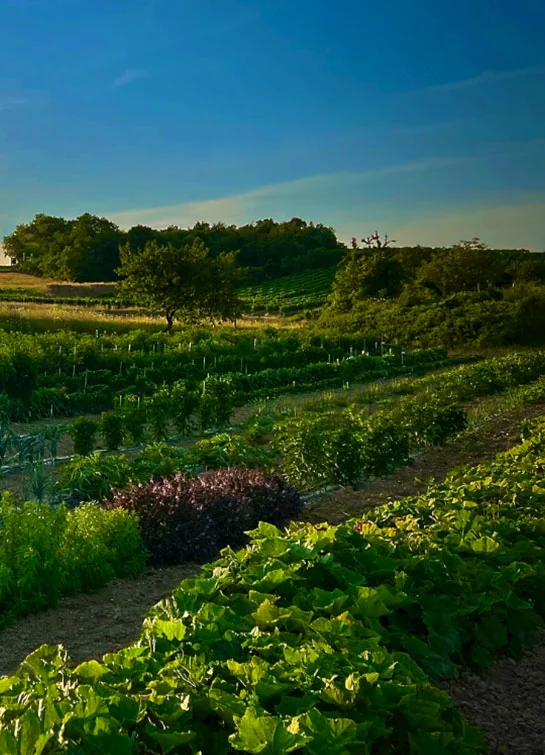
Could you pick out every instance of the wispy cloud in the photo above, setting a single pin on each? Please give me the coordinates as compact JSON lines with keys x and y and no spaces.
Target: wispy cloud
{"x":487,"y":77}
{"x":9,"y":103}
{"x":132,"y":74}
{"x":243,"y":207}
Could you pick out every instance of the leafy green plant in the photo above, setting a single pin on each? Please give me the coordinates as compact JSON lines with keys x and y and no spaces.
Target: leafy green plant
{"x":91,"y":478}
{"x":84,"y":432}
{"x":318,"y":639}
{"x":226,"y":450}
{"x":111,"y":428}
{"x":39,"y":481}
{"x":47,"y":552}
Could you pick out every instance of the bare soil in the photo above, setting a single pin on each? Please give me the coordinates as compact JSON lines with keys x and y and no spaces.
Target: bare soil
{"x":93,"y":624}
{"x":507,"y":703}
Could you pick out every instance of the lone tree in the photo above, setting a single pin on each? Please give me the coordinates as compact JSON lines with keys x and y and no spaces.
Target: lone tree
{"x":183,"y":284}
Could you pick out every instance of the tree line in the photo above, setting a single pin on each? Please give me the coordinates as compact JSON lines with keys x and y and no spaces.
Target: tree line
{"x":454,"y":296}
{"x":87,"y":248}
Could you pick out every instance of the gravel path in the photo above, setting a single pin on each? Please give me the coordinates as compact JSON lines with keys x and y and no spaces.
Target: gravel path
{"x":508,"y":702}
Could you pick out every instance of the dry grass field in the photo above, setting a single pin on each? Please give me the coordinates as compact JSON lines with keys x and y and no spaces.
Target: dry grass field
{"x":15,"y":281}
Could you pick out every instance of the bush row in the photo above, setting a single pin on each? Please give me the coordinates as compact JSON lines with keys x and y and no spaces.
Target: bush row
{"x":342,"y":447}
{"x":317,"y":450}
{"x":61,"y":360}
{"x":94,"y":391}
{"x":322,"y":639}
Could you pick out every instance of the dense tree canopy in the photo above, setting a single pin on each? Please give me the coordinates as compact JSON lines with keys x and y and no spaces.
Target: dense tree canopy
{"x":87,"y":248}
{"x":184,"y":283}
{"x":452,"y":296}
{"x":426,"y":274}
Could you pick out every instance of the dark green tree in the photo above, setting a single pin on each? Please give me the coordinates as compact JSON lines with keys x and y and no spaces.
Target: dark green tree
{"x":466,"y":266}
{"x":184,"y":283}
{"x":365,"y":274}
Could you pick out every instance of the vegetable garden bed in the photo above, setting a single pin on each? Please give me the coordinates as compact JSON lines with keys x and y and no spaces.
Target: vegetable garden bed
{"x":320,"y":640}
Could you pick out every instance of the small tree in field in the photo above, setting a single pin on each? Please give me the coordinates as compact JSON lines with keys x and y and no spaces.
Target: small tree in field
{"x":181,"y":283}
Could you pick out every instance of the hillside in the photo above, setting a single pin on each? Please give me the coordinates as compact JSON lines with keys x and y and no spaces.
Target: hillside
{"x":292,"y":293}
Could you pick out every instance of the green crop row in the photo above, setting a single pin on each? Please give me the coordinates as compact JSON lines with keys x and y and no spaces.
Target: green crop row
{"x":307,"y":290}
{"x":333,"y":448}
{"x":319,"y":640}
{"x":63,"y":374}
{"x":316,"y":450}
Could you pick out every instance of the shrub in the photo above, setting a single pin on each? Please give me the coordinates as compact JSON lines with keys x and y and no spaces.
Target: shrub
{"x":384,"y":446}
{"x":134,"y":419}
{"x":428,"y":420}
{"x":318,"y":451}
{"x":207,"y":406}
{"x":99,"y":545}
{"x":184,"y":404}
{"x":111,"y":427}
{"x":159,"y":412}
{"x":83,"y":432}
{"x":191,"y":519}
{"x":47,"y":552}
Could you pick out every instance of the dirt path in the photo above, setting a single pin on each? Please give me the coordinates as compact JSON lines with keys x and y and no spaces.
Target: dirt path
{"x":91,"y":625}
{"x":507,"y":703}
{"x":434,"y":464}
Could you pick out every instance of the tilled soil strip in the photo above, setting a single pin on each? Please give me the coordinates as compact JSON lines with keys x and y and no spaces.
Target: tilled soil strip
{"x":90,"y":625}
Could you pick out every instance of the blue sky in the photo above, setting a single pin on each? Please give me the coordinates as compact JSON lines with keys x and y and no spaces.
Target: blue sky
{"x":425,"y":120}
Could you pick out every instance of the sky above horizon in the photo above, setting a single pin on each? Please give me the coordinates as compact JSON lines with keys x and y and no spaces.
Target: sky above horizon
{"x":424,"y":120}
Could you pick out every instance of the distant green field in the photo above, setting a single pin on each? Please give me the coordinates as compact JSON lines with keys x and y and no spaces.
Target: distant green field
{"x":293,"y":293}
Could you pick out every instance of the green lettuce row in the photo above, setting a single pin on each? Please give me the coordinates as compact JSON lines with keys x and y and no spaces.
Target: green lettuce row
{"x":315,"y":640}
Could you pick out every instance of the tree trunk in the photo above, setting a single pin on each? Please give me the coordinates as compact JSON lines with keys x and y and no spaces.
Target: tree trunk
{"x":170,"y":321}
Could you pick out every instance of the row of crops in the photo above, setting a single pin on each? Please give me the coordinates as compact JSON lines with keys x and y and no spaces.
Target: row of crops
{"x":313,"y":449}
{"x":293,"y":293}
{"x":318,"y":639}
{"x":63,"y":374}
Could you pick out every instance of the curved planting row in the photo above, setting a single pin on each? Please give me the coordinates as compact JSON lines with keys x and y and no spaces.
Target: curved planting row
{"x":342,"y":447}
{"x":316,"y":450}
{"x":315,"y":640}
{"x":59,"y":374}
